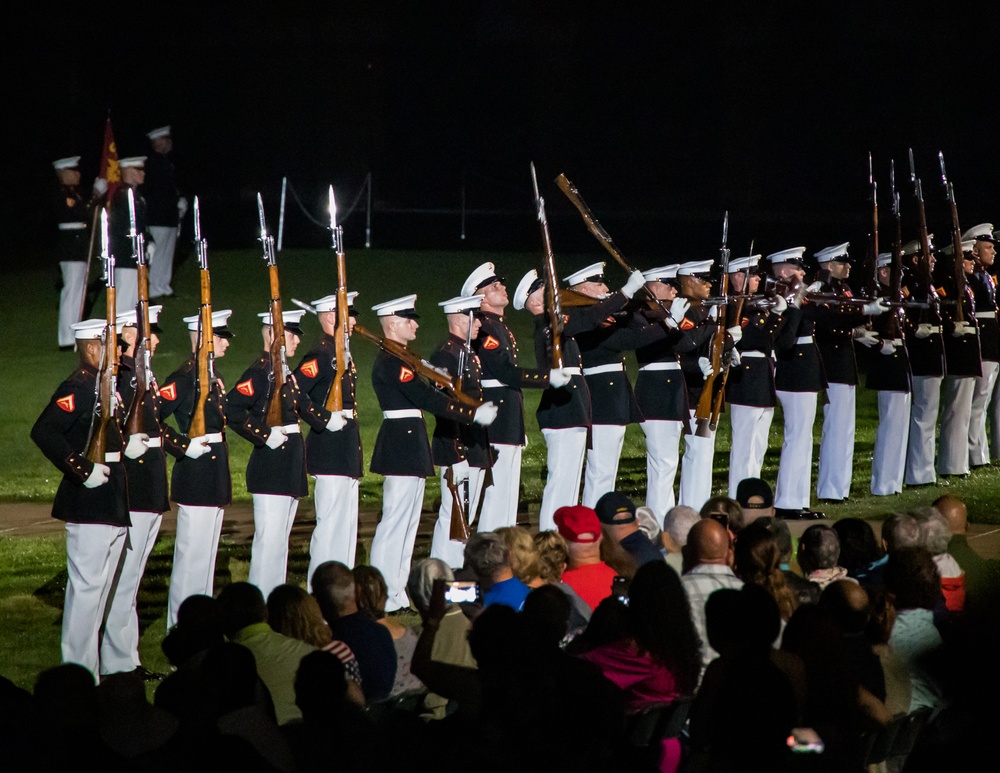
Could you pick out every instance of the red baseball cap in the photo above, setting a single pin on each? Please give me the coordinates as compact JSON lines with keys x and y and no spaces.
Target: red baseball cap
{"x":578,"y":524}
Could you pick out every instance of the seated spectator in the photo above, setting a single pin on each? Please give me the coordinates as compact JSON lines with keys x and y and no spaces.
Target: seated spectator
{"x":819,"y":551}
{"x":659,"y":659}
{"x":451,"y":643}
{"x":523,"y":554}
{"x":334,"y":589}
{"x":244,"y":621}
{"x":756,"y":498}
{"x":616,"y":512}
{"x":553,"y":557}
{"x":372,"y":594}
{"x":486,"y":554}
{"x":898,"y":691}
{"x":587,"y":574}
{"x":198,"y":628}
{"x":757,"y":561}
{"x":726,"y":511}
{"x":707,"y":559}
{"x":914,"y":585}
{"x":293,"y":612}
{"x":981,"y":575}
{"x":860,"y":553}
{"x":935,"y":536}
{"x":805,"y":592}
{"x":676,"y":525}
{"x":900,"y":530}
{"x":128,"y":725}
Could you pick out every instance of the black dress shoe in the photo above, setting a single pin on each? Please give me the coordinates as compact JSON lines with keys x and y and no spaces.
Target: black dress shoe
{"x":148,"y":676}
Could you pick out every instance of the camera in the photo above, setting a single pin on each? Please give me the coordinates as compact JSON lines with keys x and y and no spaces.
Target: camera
{"x":461,"y":592}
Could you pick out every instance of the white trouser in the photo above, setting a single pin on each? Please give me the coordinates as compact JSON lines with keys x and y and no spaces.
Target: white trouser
{"x":566,"y":449}
{"x":452,"y":552}
{"x":795,"y":466}
{"x":696,"y":468}
{"x":979,"y":446}
{"x":750,"y":427}
{"x":923,"y":428}
{"x":602,"y":461}
{"x":195,"y":548}
{"x":161,"y":264}
{"x":956,"y":411}
{"x":836,"y":445}
{"x":120,"y":643}
{"x":500,"y":500}
{"x":662,"y":456}
{"x":993,"y":424}
{"x":889,"y":459}
{"x":74,"y":273}
{"x":335,"y":537}
{"x":273,"y":516}
{"x":92,"y":554}
{"x":126,"y":289}
{"x":392,"y":546}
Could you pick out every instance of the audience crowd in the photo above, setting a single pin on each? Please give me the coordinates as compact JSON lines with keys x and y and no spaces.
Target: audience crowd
{"x":709,"y":642}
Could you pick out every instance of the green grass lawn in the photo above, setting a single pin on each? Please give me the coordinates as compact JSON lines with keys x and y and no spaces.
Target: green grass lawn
{"x":34,"y":568}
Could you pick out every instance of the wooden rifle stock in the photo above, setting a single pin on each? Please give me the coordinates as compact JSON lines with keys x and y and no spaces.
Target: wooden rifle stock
{"x":894,"y":327}
{"x":459,"y":526}
{"x":335,"y":399}
{"x":206,"y":352}
{"x":553,"y":297}
{"x":279,"y":367}
{"x":713,"y":392}
{"x":107,"y":387}
{"x":134,"y":418}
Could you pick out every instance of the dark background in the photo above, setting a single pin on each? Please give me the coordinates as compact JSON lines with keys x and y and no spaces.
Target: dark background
{"x":664,"y":115}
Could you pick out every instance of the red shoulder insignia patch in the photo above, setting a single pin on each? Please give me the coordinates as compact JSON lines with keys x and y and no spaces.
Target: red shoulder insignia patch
{"x":169,"y":392}
{"x":405,"y":374}
{"x":744,"y":322}
{"x":906,"y":292}
{"x":491,"y":343}
{"x":310,"y":368}
{"x":245,"y":387}
{"x":67,"y":403}
{"x":686,"y":324}
{"x":847,"y":294}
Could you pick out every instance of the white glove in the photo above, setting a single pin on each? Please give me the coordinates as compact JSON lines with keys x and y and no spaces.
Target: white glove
{"x":815,"y":287}
{"x":635,"y":282}
{"x":150,"y":250}
{"x":876,"y":307}
{"x":275,"y":438}
{"x":925,"y":330}
{"x":713,"y":312}
{"x":864,"y":336}
{"x":678,"y":308}
{"x":98,"y":476}
{"x":485,"y":414}
{"x":460,"y":471}
{"x":100,"y":186}
{"x":137,"y":445}
{"x":963,"y":329}
{"x":736,"y":332}
{"x":780,"y":304}
{"x":706,"y":366}
{"x":559,"y":377}
{"x":888,"y":348}
{"x":197,"y":447}
{"x":734,"y":358}
{"x":337,"y":422}
{"x":182,"y":207}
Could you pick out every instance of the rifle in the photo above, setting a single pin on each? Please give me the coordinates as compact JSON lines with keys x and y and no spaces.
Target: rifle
{"x":335,"y":399}
{"x":925,"y":242}
{"x":553,"y":300}
{"x":106,"y":386}
{"x":871,"y":266}
{"x":956,"y":242}
{"x":143,"y":366}
{"x":893,"y":327}
{"x":419,"y":366}
{"x":459,"y":529}
{"x":713,"y":392}
{"x":206,"y":335}
{"x":279,"y":365}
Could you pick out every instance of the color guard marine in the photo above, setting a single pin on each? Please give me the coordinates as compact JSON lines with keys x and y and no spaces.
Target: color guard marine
{"x":72,"y":215}
{"x":983,"y":289}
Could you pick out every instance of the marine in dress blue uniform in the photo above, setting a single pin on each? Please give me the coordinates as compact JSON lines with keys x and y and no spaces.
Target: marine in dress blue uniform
{"x":984,"y":293}
{"x":72,"y":215}
{"x":165,"y":208}
{"x":201,"y":483}
{"x":133,"y":171}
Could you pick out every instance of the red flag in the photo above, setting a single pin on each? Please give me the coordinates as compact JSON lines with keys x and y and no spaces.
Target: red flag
{"x":110,"y":170}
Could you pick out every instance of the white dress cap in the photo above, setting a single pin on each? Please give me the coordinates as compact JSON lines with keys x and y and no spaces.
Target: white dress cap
{"x":967,"y":245}
{"x":744,"y":264}
{"x":883,"y":259}
{"x":129,"y":317}
{"x":461,"y":303}
{"x":592,"y":273}
{"x":525,"y":288}
{"x":219,"y":319}
{"x":400,"y":307}
{"x":132,"y":161}
{"x":791,"y":255}
{"x":289,"y":318}
{"x":913,"y":247}
{"x":837,"y":252}
{"x":163,"y":131}
{"x":662,"y":272}
{"x":70,"y":162}
{"x":983,"y":232}
{"x":694,"y":267}
{"x":483,"y":275}
{"x":329,"y":302}
{"x":89,"y":329}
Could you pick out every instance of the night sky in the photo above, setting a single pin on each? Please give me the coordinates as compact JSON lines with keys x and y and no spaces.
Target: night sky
{"x":663,"y":116}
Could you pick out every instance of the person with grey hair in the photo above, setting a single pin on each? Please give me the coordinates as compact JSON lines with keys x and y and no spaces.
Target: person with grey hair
{"x":487,"y":555}
{"x":900,"y":530}
{"x":819,"y":551}
{"x":935,"y":534}
{"x":676,"y":525}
